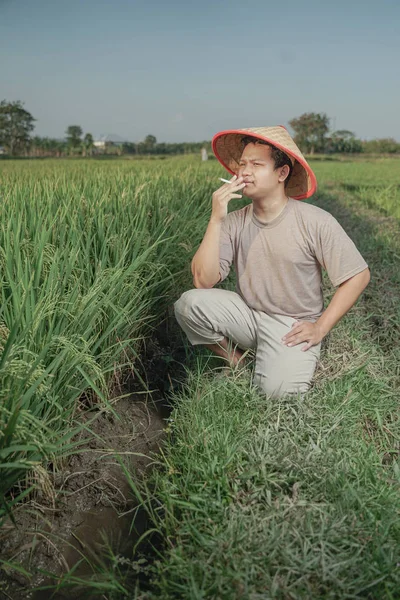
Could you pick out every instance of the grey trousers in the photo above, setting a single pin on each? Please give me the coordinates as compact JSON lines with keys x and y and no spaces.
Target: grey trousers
{"x":209,"y":315}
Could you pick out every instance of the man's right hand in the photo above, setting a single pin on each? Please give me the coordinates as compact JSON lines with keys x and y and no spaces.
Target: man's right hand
{"x":222,"y":196}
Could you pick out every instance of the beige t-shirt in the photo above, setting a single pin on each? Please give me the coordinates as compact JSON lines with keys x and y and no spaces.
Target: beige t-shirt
{"x":278,"y":264}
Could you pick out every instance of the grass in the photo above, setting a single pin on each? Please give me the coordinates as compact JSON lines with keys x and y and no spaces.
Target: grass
{"x":281,"y":496}
{"x":293,"y":499}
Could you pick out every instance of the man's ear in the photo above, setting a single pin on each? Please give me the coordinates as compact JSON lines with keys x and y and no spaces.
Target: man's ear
{"x":283,"y":172}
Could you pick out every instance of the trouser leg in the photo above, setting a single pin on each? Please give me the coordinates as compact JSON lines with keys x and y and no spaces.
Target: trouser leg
{"x":281,"y":370}
{"x":209,"y":315}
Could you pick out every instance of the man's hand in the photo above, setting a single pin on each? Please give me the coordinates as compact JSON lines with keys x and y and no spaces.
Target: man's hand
{"x":222,"y":197}
{"x":303,"y":331}
{"x":344,"y":298}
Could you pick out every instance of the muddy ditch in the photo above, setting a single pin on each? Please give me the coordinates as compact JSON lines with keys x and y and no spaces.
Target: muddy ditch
{"x":86,"y":500}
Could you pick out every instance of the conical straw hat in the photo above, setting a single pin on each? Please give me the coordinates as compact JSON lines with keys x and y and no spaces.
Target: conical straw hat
{"x":228,"y":147}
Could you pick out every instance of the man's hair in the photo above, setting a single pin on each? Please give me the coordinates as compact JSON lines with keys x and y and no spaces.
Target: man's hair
{"x":279,"y":157}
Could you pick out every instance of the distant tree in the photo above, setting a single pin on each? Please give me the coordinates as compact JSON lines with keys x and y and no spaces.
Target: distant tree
{"x":16,"y":125}
{"x":343,"y":141}
{"x":161,"y":148}
{"x":310,"y":131}
{"x":88,"y":144}
{"x":129,"y":148}
{"x":36,"y":147}
{"x":60,"y":148}
{"x":74,"y":134}
{"x":381,"y":146}
{"x":148,"y":146}
{"x":45,"y":146}
{"x":150,"y":141}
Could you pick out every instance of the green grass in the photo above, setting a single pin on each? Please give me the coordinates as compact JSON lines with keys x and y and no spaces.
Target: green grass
{"x":375,"y":182}
{"x":252,"y":498}
{"x":281,"y":496}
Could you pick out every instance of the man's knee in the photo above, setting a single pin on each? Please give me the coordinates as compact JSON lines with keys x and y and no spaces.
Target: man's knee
{"x":186,"y":302}
{"x":194,"y":313}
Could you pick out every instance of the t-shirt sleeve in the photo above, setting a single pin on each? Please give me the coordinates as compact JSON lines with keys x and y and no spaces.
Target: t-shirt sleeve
{"x":225,"y":249}
{"x":337,"y":253}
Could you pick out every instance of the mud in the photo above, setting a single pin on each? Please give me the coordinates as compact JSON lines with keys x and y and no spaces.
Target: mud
{"x":86,"y":503}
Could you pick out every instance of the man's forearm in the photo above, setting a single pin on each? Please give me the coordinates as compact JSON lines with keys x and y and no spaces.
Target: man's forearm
{"x":205,"y":263}
{"x":344,"y":298}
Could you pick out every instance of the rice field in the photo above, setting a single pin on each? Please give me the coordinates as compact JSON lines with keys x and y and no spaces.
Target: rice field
{"x":88,"y":260}
{"x":250,"y":498}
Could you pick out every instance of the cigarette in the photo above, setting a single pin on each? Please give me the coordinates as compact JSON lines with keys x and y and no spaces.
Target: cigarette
{"x":225,"y":180}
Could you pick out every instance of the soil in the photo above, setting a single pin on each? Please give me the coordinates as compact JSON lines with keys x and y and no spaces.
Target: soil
{"x":87,"y":496}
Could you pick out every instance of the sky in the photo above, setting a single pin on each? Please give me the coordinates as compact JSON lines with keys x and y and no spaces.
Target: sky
{"x":182,"y":70}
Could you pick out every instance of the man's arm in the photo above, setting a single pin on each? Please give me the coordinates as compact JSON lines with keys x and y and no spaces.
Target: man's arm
{"x":344,"y":298}
{"x":205,"y":263}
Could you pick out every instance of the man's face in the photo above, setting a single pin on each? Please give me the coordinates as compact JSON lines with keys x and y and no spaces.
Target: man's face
{"x":258,"y":171}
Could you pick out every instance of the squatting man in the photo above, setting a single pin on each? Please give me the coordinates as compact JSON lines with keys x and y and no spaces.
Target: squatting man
{"x":279,"y":246}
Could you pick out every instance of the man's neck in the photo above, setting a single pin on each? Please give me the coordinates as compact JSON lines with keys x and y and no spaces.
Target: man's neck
{"x":268,"y":209}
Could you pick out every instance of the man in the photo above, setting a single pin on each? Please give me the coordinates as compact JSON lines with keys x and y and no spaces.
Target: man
{"x":278,"y":246}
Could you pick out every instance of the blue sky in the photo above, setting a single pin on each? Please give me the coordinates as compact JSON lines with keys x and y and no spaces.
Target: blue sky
{"x":184,"y":70}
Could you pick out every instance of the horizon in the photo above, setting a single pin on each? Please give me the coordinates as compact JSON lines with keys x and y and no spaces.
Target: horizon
{"x":125,"y":141}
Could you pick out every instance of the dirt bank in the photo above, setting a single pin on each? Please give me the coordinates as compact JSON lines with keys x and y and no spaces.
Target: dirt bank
{"x":82,"y":500}
{"x":87,"y":496}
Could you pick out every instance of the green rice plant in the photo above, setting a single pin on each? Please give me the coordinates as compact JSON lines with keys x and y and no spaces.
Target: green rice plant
{"x":87,"y":267}
{"x":91,"y":257}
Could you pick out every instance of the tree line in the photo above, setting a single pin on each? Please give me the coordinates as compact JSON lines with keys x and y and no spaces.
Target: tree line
{"x":76,"y":144}
{"x":312,"y":135}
